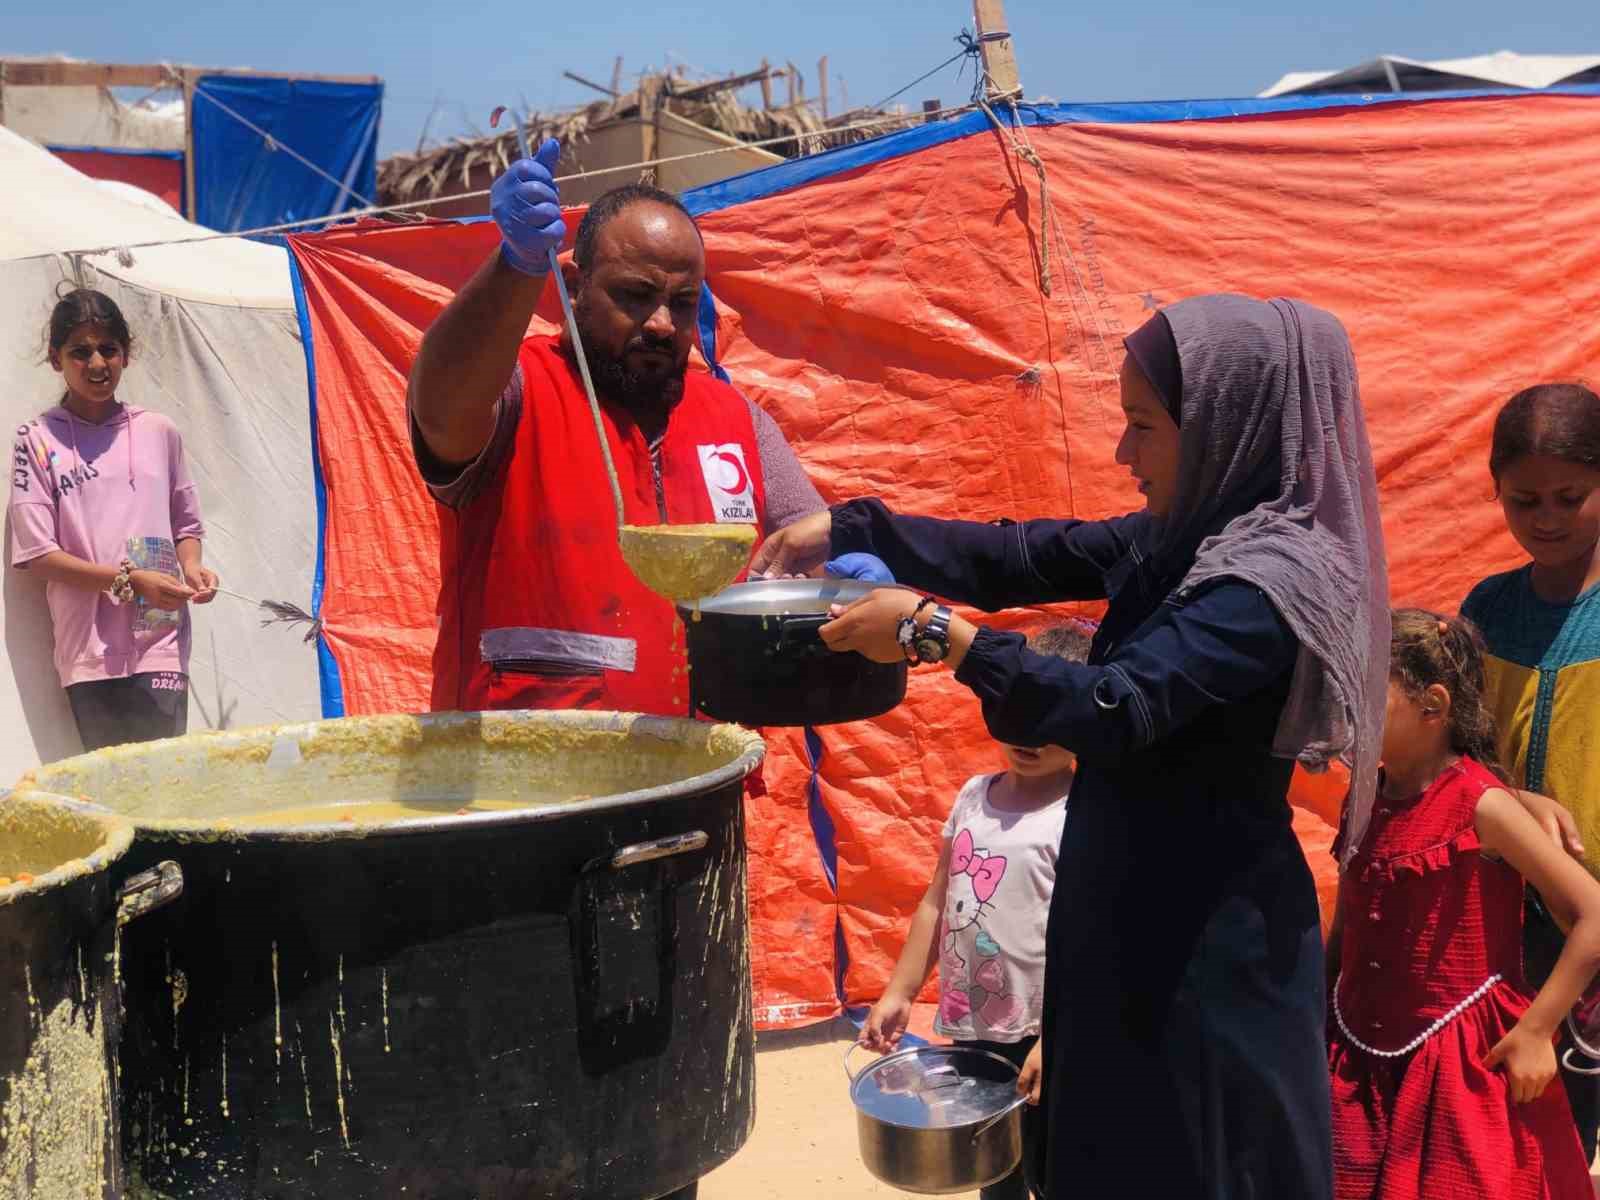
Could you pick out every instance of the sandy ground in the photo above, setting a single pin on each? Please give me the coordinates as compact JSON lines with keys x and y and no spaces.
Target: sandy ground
{"x":804,"y":1144}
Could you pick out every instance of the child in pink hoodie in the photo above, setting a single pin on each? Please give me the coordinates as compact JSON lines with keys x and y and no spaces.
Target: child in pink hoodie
{"x":103,"y":510}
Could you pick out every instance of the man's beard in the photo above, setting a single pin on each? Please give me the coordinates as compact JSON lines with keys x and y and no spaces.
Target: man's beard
{"x":649,"y":393}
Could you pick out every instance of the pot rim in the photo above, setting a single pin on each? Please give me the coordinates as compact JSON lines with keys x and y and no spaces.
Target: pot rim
{"x":912,"y":1052}
{"x":752,"y":750}
{"x":116,"y":828}
{"x":746,"y":599}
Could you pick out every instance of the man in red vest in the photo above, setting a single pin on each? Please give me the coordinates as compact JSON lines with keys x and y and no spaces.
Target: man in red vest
{"x":538,"y":609}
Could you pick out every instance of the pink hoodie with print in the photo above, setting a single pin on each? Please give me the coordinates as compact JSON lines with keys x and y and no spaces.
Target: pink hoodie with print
{"x":91,"y":490}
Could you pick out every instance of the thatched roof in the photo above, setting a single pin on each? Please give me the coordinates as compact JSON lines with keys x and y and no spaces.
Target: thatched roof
{"x":445,"y":170}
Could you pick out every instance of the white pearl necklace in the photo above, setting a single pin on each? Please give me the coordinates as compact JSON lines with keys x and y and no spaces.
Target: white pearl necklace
{"x":1483,"y":990}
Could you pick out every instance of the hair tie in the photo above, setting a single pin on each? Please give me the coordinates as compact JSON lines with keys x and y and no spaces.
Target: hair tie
{"x":1444,"y":628}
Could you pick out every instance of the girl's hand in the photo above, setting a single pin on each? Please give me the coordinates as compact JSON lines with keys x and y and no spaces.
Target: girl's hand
{"x":885,"y":1023}
{"x":870,"y":625}
{"x":204,"y":582}
{"x":161,"y":591}
{"x":1031,"y":1076}
{"x":1529,"y":1062}
{"x":799,"y":548}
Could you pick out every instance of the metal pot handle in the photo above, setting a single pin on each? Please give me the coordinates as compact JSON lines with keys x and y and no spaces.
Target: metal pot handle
{"x":643,"y":852}
{"x":149,"y":890}
{"x":1566,"y":1061}
{"x":637,"y":1022}
{"x":799,"y":634}
{"x":849,"y":1050}
{"x":998,"y":1117}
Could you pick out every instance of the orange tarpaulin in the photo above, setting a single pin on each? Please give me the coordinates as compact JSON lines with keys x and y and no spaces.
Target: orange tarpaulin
{"x":887,"y":304}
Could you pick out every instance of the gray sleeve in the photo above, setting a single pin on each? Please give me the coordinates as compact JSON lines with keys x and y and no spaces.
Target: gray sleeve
{"x":456,"y":487}
{"x":790,"y":493}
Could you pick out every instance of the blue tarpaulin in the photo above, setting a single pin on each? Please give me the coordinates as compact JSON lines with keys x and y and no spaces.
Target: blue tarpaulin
{"x":254,"y":139}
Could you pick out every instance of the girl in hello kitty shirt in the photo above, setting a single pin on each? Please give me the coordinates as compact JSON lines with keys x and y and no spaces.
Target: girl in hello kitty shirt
{"x":983,"y":916}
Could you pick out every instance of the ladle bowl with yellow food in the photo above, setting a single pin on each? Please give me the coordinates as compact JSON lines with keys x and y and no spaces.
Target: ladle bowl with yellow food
{"x":686,"y":562}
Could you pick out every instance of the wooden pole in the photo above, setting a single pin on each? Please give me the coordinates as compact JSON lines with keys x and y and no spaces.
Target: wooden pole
{"x":616,"y":77}
{"x":2,"y":93}
{"x":797,"y":86}
{"x":929,"y":107}
{"x":589,"y":83}
{"x":32,"y":73}
{"x":822,"y":84}
{"x":999,"y":55}
{"x":650,"y":88}
{"x":766,"y":85}
{"x":189,"y":211}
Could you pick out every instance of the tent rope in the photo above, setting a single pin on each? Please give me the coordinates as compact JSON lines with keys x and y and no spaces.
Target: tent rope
{"x":1023,"y":148}
{"x":412,"y":205}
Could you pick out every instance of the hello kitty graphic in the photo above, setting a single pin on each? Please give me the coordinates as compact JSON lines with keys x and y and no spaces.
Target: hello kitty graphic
{"x":970,"y":958}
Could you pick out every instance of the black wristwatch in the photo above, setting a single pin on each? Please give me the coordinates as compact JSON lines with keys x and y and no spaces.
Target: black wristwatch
{"x":931,"y":643}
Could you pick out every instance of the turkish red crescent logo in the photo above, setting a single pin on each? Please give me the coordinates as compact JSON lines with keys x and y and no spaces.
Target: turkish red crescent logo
{"x":741,"y":480}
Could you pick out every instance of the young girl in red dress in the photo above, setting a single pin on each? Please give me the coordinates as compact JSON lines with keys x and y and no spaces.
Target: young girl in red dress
{"x":1441,"y":1061}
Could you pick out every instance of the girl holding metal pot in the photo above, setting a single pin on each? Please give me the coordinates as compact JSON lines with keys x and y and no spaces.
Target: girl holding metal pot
{"x":1247,"y":628}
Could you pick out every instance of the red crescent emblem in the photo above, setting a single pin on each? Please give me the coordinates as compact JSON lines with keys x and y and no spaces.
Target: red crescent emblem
{"x":741,"y":480}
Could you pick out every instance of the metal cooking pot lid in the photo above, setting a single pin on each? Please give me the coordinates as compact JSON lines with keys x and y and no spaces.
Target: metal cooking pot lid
{"x":775,"y":597}
{"x":935,"y":1087}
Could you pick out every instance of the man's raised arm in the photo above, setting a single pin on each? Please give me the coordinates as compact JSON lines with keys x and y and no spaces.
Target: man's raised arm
{"x":470,"y":351}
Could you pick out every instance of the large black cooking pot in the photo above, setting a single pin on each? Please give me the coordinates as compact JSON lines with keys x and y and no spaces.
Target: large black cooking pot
{"x":59,"y":1013}
{"x":755,"y":657}
{"x":547,"y":1001}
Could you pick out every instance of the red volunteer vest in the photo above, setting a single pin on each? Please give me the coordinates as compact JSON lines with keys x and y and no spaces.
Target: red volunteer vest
{"x":537,"y":608}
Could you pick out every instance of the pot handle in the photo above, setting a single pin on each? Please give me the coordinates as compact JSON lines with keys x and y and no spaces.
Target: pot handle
{"x":998,"y":1117}
{"x":643,"y":852}
{"x":800,"y":633}
{"x":849,"y":1050}
{"x":148,"y":891}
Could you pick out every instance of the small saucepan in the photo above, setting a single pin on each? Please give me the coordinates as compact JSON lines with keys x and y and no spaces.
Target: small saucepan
{"x":938,"y":1119}
{"x":755,"y":657}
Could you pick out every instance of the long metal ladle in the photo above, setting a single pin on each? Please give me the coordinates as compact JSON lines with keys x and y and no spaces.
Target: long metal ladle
{"x":681,"y":562}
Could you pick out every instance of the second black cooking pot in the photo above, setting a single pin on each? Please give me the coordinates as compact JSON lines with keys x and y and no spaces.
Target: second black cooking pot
{"x":755,"y":657}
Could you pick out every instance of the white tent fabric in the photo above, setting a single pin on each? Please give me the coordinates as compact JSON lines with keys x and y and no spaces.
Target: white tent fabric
{"x":49,"y":208}
{"x":1392,"y":73}
{"x":217,"y":349}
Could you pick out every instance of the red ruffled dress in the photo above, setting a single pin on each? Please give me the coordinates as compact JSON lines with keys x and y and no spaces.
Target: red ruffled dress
{"x":1431,"y":966}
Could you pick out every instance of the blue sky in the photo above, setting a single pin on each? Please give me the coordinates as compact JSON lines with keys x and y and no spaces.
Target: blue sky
{"x":471,"y":57}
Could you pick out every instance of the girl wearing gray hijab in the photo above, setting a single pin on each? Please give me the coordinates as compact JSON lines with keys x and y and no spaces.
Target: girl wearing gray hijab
{"x":1248,"y":627}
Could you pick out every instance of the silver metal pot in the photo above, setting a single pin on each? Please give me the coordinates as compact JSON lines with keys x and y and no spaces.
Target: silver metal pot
{"x":938,"y":1119}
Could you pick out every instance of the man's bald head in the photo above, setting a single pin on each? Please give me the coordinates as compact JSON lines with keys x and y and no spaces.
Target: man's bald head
{"x":612,"y":205}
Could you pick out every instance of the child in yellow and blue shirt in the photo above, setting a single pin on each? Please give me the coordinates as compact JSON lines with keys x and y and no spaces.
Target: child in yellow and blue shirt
{"x":1541,"y":624}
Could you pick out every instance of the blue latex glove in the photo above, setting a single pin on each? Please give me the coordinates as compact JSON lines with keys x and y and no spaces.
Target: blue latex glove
{"x":526,"y":205}
{"x":867,"y":567}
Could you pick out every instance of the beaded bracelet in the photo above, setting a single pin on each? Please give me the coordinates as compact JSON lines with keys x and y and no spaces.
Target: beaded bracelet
{"x":121,"y":589}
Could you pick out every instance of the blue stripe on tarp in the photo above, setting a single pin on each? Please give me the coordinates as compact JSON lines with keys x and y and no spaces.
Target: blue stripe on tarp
{"x":822,"y":828}
{"x":797,"y":172}
{"x":327,"y":667}
{"x":708,"y":333}
{"x":823,"y":832}
{"x":176,"y":155}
